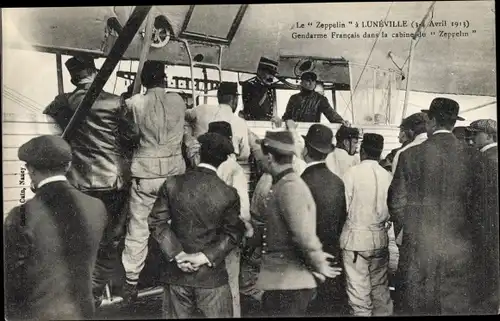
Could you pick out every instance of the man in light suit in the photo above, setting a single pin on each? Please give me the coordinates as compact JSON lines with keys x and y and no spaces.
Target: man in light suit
{"x":196,"y":222}
{"x":329,"y":195}
{"x":51,"y":241}
{"x":292,"y":255}
{"x":429,"y":197}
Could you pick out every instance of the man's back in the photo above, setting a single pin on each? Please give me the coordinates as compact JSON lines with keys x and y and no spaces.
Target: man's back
{"x":97,"y":158}
{"x":339,"y":161}
{"x":202,"y":115}
{"x":329,"y":194}
{"x":199,"y":202}
{"x":60,"y":230}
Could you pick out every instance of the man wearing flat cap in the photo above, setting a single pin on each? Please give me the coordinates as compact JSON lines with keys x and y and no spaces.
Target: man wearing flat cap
{"x":485,"y":212}
{"x":292,"y":255}
{"x":51,"y":241}
{"x":364,"y":239}
{"x":429,"y":199}
{"x":308,"y":105}
{"x":201,"y":116}
{"x":195,"y":221}
{"x":99,"y":167}
{"x":328,"y":193}
{"x":259,"y":99}
{"x":344,"y":155}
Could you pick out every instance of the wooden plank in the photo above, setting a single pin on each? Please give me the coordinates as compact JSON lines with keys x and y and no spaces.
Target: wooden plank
{"x":15,"y":141}
{"x":11,"y":181}
{"x":15,"y":193}
{"x":9,"y":154}
{"x":12,"y":167}
{"x":26,"y":117}
{"x":30,"y":128}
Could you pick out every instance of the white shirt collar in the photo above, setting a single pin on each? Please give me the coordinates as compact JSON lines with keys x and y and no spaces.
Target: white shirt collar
{"x":485,"y":148}
{"x":442,"y":131}
{"x":205,"y":165}
{"x":57,"y":178}
{"x":421,"y":137}
{"x":313,"y":163}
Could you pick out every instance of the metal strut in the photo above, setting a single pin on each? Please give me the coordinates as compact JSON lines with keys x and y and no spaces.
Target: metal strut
{"x":193,"y":64}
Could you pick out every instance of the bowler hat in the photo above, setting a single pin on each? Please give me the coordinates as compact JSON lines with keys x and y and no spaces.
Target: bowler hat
{"x":215,"y":144}
{"x":488,"y":126}
{"x":413,"y":121}
{"x":227,"y":88}
{"x":309,"y":75}
{"x":374,"y":142}
{"x":47,"y":151}
{"x":320,"y":138}
{"x":280,"y":141}
{"x":269,"y":64}
{"x":345,"y":132}
{"x":79,"y":63}
{"x":221,"y":127}
{"x":443,"y":109}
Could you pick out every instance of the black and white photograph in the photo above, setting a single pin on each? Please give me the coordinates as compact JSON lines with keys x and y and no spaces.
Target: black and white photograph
{"x":329,"y":159}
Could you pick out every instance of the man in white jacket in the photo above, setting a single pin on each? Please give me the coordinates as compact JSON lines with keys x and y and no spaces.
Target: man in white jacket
{"x":364,"y":239}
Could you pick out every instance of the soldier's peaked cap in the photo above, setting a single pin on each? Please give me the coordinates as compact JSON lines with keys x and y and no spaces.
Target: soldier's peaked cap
{"x":47,"y":151}
{"x":78,"y":63}
{"x":269,"y":64}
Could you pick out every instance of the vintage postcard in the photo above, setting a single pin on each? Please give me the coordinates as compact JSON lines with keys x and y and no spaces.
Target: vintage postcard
{"x":131,"y":89}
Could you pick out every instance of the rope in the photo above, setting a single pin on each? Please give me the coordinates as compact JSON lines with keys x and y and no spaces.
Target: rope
{"x":370,"y":54}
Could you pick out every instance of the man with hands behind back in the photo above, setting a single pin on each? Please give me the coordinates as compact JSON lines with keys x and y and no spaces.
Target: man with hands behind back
{"x":196,"y":222}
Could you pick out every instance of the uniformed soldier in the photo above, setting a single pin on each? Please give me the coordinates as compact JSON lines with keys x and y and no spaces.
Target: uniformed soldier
{"x":258,"y":97}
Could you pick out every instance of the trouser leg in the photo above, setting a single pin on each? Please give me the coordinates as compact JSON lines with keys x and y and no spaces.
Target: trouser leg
{"x":358,"y":283}
{"x":233,"y":271}
{"x":381,"y":296}
{"x":107,"y":256}
{"x":286,"y":303}
{"x":143,"y":195}
{"x":179,"y":302}
{"x":215,"y":302}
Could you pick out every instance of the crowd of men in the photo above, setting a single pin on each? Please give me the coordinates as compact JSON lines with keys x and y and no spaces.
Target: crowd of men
{"x":314,"y":239}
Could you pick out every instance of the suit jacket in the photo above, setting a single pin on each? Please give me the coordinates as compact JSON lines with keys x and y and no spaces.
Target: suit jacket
{"x":329,"y":195}
{"x":290,"y":248}
{"x":51,"y":244}
{"x":203,"y":211}
{"x":258,"y":100}
{"x":486,"y":216}
{"x":428,"y":197}
{"x":98,"y":161}
{"x":308,"y":107}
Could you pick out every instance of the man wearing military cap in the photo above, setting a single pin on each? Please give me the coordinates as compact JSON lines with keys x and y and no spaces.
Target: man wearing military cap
{"x":485,"y":211}
{"x":364,"y":239}
{"x":328,"y":192}
{"x":344,"y":155}
{"x":51,"y":241}
{"x":99,"y":167}
{"x":415,"y":127}
{"x":201,"y":116}
{"x":259,"y":99}
{"x":195,"y":221}
{"x":308,"y":105}
{"x":429,"y":199}
{"x":287,"y":283}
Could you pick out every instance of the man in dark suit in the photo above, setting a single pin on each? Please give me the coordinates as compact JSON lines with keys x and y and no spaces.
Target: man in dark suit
{"x":196,"y":222}
{"x":485,"y":212}
{"x":51,"y":241}
{"x":329,"y":195}
{"x":428,"y":197}
{"x":292,"y":255}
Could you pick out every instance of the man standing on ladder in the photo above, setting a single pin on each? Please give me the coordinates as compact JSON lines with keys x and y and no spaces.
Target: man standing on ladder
{"x":98,"y":167}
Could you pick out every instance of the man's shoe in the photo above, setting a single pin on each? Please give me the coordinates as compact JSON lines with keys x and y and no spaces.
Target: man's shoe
{"x":97,"y":293}
{"x":130,"y":293}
